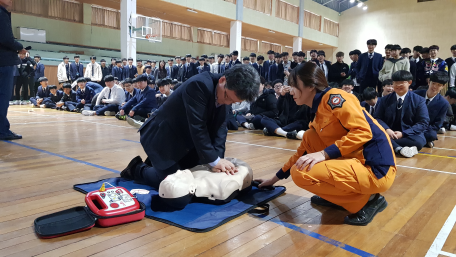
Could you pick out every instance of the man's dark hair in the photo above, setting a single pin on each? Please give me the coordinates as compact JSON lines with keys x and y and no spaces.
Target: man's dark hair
{"x":244,"y":80}
{"x":348,"y":82}
{"x":313,"y":51}
{"x":387,"y":82}
{"x":440,"y":77}
{"x":369,"y":93}
{"x":372,"y":42}
{"x":294,"y":54}
{"x":276,"y":82}
{"x":451,"y":93}
{"x":406,"y":51}
{"x":453,"y":47}
{"x":356,"y":51}
{"x":340,"y":54}
{"x":128,"y":81}
{"x":418,"y":48}
{"x":402,"y":75}
{"x":434,"y":47}
{"x":396,"y":47}
{"x":389,"y":46}
{"x":260,"y":57}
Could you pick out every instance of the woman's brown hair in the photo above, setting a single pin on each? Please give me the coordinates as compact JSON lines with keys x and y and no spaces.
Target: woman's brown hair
{"x":310,"y":75}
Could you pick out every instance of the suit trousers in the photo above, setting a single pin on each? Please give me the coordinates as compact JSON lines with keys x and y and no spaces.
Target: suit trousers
{"x":273,"y":124}
{"x":33,"y":101}
{"x":70,"y":106}
{"x":48,"y":103}
{"x":84,"y":106}
{"x":409,"y":141}
{"x":101,"y":109}
{"x":255,"y":120}
{"x":430,"y":135}
{"x":26,"y":83}
{"x":139,"y":112}
{"x":6,"y":87}
{"x":345,"y":182}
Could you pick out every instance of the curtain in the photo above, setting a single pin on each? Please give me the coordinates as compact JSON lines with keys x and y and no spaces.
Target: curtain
{"x":231,"y":1}
{"x":331,"y":28}
{"x":289,"y":50}
{"x":264,"y":6}
{"x":204,"y":36}
{"x":172,"y":30}
{"x":266,"y":46}
{"x":220,"y":39}
{"x":36,"y":7}
{"x":287,"y":11}
{"x":167,"y":28}
{"x":312,"y":20}
{"x":106,"y":17}
{"x":250,"y":45}
{"x":65,"y":10}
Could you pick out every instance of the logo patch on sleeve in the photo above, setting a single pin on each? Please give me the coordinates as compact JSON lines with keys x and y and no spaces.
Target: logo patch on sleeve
{"x":335,"y":101}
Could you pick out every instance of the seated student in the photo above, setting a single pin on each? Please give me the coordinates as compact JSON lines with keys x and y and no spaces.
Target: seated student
{"x":84,"y":96}
{"x":173,"y":84}
{"x":42,"y":93}
{"x":393,"y":64}
{"x":236,"y":109}
{"x":370,"y":100}
{"x":54,"y":97}
{"x":152,"y":85}
{"x":108,"y":100}
{"x":404,"y":116}
{"x":339,"y":71}
{"x":348,"y":85}
{"x":164,"y":87}
{"x":265,"y":105}
{"x":437,"y":106}
{"x":130,"y":91}
{"x":68,"y":101}
{"x":449,"y":122}
{"x":139,"y":106}
{"x":291,"y":118}
{"x":97,"y":88}
{"x":387,"y":86}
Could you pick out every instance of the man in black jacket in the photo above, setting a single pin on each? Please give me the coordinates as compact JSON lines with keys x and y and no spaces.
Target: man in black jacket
{"x":104,"y":72}
{"x":339,"y":70}
{"x":190,"y":128}
{"x":9,"y":48}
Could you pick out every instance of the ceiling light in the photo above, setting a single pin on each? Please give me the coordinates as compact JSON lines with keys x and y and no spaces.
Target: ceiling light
{"x":191,"y":10}
{"x":272,"y":31}
{"x":352,"y":1}
{"x":365,"y":8}
{"x":360,"y":4}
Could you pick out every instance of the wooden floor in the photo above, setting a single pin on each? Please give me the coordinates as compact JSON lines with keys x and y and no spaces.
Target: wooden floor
{"x":34,"y":181}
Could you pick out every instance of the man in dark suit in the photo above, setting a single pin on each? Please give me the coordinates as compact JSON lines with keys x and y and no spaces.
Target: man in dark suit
{"x":129,"y":70}
{"x":104,"y":72}
{"x":117,"y":70}
{"x":404,"y":116}
{"x":54,"y":97}
{"x":260,"y":63}
{"x":369,"y":64}
{"x":189,"y":68}
{"x":253,"y":62}
{"x":437,"y":106}
{"x":190,"y":127}
{"x":234,"y":58}
{"x":182,"y":72}
{"x":39,"y":71}
{"x":323,"y":63}
{"x":268,"y":63}
{"x":41,"y":93}
{"x":68,"y":101}
{"x":449,"y":61}
{"x":141,"y":104}
{"x":370,"y":102}
{"x":76,"y":69}
{"x":171,"y":72}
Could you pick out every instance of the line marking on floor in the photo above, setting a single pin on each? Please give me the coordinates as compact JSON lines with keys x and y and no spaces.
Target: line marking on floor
{"x":107,"y":124}
{"x":439,"y":156}
{"x":439,"y":241}
{"x":44,"y":122}
{"x":444,"y":148}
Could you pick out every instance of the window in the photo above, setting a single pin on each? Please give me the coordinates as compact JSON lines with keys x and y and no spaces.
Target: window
{"x":266,"y":46}
{"x":312,"y":20}
{"x":264,"y":6}
{"x":249,"y":44}
{"x":106,"y":17}
{"x":212,"y":37}
{"x":331,"y":27}
{"x":287,"y":11}
{"x":57,"y":9}
{"x":175,"y":30}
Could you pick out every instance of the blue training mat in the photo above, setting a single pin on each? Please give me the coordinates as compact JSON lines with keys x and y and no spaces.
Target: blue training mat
{"x":196,"y":217}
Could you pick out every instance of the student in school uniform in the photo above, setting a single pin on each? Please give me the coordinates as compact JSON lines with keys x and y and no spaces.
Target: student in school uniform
{"x":104,"y":71}
{"x":338,"y":159}
{"x":434,"y":63}
{"x":370,"y":100}
{"x":108,"y":101}
{"x":42,"y":93}
{"x":142,"y":104}
{"x":84,"y":96}
{"x":130,"y":90}
{"x":294,"y":63}
{"x":354,"y":56}
{"x":93,"y":70}
{"x":234,"y":58}
{"x":323,"y":64}
{"x":39,"y":71}
{"x":261,"y":70}
{"x":203,"y":66}
{"x":76,"y":69}
{"x":348,"y":86}
{"x":130,"y":70}
{"x":420,"y":68}
{"x":268,"y":63}
{"x":63,"y":71}
{"x":171,"y":69}
{"x":339,"y":71}
{"x":452,"y":76}
{"x":449,"y":122}
{"x":117,"y":70}
{"x":68,"y":101}
{"x":301,"y":57}
{"x":387,"y":88}
{"x":369,"y":65}
{"x":218,"y":67}
{"x":274,"y":68}
{"x":148,"y":73}
{"x":292,"y":120}
{"x":404,"y":116}
{"x":450,"y":61}
{"x":54,"y":97}
{"x":182,"y":72}
{"x":388,"y":49}
{"x":393,"y":64}
{"x":112,"y":65}
{"x":416,"y":54}
{"x":314,"y":56}
{"x":406,"y":53}
{"x":165,"y":91}
{"x":253,"y":61}
{"x":437,"y":105}
{"x":245,"y":60}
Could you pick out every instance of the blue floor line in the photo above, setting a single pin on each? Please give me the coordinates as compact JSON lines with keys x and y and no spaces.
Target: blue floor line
{"x":325,"y":239}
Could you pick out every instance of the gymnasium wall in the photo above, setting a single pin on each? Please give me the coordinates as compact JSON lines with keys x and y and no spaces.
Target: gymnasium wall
{"x":404,"y":22}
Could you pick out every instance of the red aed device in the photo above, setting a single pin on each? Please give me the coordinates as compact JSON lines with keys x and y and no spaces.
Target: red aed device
{"x":105,"y":208}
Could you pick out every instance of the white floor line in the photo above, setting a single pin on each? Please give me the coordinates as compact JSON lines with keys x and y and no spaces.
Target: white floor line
{"x":445,"y":148}
{"x":439,"y":241}
{"x":57,"y":116}
{"x":44,"y":122}
{"x":446,"y":136}
{"x":447,"y":254}
{"x":439,"y":171}
{"x":107,"y":124}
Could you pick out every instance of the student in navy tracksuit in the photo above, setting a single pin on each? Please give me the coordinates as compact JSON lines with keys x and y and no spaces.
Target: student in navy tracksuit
{"x":437,"y":105}
{"x":76,"y":69}
{"x":42,"y":93}
{"x":54,"y":97}
{"x":143,"y":102}
{"x":369,"y":65}
{"x":404,"y":116}
{"x":39,"y":71}
{"x":117,"y":70}
{"x":68,"y":101}
{"x":84,"y":96}
{"x":265,"y":105}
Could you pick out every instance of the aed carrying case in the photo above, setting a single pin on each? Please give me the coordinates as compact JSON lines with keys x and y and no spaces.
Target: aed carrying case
{"x":105,"y":208}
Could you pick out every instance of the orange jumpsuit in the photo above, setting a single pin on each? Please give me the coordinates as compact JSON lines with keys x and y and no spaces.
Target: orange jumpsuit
{"x":362,"y":161}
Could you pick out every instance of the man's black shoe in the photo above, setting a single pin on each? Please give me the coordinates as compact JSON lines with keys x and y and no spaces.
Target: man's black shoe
{"x":128,"y":172}
{"x":292,"y":134}
{"x":11,"y":136}
{"x":322,"y":202}
{"x":266,"y":133}
{"x":368,"y":212}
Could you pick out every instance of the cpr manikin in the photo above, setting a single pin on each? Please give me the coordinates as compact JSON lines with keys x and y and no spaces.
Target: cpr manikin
{"x":202,"y":185}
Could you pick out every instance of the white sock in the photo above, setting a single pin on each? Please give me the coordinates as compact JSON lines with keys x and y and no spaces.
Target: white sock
{"x":245,"y":125}
{"x":300,"y":134}
{"x":281,"y":132}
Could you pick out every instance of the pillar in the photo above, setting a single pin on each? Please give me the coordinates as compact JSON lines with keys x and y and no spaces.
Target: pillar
{"x":236,"y":29}
{"x":297,"y":44}
{"x":301,"y":19}
{"x":127,"y":19}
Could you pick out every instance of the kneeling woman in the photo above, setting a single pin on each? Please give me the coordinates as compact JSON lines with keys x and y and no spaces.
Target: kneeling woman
{"x":345,"y":157}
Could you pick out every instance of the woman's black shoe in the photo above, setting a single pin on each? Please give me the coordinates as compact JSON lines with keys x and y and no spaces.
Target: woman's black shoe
{"x":292,"y":134}
{"x":368,"y":212}
{"x":322,"y":202}
{"x":128,"y":172}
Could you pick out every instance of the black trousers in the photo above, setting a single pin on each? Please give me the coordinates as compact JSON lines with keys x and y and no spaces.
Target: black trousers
{"x":409,"y":141}
{"x":26,"y":83}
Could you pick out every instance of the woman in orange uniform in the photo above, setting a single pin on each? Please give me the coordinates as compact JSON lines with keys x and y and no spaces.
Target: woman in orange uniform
{"x":345,"y":158}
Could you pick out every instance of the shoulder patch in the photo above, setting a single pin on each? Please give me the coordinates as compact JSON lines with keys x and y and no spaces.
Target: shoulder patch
{"x":335,"y":101}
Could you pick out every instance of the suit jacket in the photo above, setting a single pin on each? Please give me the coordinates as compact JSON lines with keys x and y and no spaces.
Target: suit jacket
{"x":39,"y":71}
{"x":128,"y":96}
{"x":272,"y":73}
{"x":69,"y":98}
{"x":415,"y":117}
{"x":175,"y":71}
{"x":142,"y":100}
{"x":234,"y":63}
{"x":353,"y":70}
{"x":54,"y":98}
{"x":170,"y":72}
{"x":437,"y":109}
{"x":97,"y":88}
{"x":76,"y":72}
{"x":266,"y":65}
{"x":368,"y":107}
{"x":42,"y":93}
{"x":104,"y":72}
{"x":117,"y":73}
{"x":215,"y":68}
{"x":363,"y":63}
{"x":128,"y":72}
{"x":256,"y":67}
{"x":204,"y":68}
{"x":87,"y":96}
{"x":188,"y":128}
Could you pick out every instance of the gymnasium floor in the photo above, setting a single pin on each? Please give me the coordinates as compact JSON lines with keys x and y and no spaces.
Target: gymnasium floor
{"x":61,"y":149}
